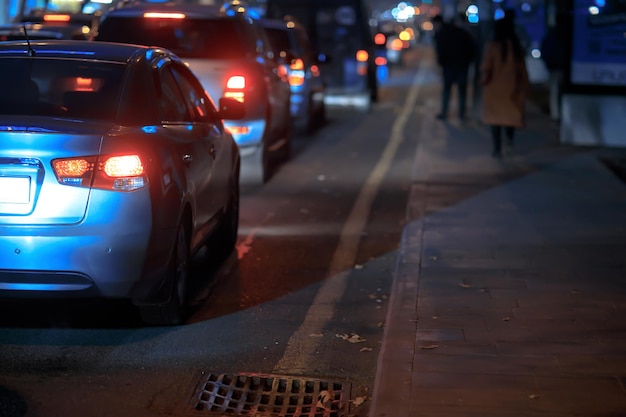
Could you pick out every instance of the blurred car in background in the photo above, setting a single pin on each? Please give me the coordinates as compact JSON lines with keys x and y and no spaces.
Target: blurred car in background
{"x":37,"y":31}
{"x":340,"y":30}
{"x":290,"y":42}
{"x":66,"y":25}
{"x":229,"y":52}
{"x":115,"y":168}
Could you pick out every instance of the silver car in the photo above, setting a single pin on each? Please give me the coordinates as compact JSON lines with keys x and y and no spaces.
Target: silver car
{"x":115,"y":168}
{"x":229,"y":52}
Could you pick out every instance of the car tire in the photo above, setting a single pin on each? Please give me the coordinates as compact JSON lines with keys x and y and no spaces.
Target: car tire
{"x":258,"y":166}
{"x":288,"y":136}
{"x":173,"y":312}
{"x":317,"y":117}
{"x":225,"y":239}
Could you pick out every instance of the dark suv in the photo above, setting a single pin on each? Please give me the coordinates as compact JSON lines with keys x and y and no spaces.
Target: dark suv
{"x":231,"y":55}
{"x":292,"y":45}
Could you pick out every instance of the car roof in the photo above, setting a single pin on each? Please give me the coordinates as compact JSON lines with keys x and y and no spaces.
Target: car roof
{"x":38,"y":16}
{"x":38,"y":31}
{"x":190,"y":10}
{"x":107,"y":51}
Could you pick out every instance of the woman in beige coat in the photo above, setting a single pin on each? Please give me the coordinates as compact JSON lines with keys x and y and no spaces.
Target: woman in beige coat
{"x":505,"y":84}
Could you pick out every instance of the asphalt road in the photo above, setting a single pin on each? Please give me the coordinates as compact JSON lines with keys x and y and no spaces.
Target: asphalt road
{"x":303,"y":297}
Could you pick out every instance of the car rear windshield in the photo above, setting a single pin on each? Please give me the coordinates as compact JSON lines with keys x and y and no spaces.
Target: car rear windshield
{"x":187,"y":38}
{"x":70,"y":88}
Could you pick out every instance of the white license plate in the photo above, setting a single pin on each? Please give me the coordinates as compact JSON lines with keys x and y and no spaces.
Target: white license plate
{"x":15,"y":190}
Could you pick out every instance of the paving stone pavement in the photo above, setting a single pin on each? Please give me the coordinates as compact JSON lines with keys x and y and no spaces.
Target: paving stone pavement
{"x":509,"y":296}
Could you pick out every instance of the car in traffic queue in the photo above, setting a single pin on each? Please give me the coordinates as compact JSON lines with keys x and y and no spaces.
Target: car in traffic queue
{"x":42,"y":23}
{"x":38,"y":31}
{"x":115,"y":169}
{"x":229,"y":52}
{"x":340,"y":30}
{"x":291,"y":44}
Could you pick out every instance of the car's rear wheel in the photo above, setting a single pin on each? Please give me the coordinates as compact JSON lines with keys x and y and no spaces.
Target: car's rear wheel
{"x":225,"y":239}
{"x":259,"y":166}
{"x":172,"y":312}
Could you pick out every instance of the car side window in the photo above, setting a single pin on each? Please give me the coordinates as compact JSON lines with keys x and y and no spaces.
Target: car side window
{"x":172,"y":105}
{"x":202,"y":109}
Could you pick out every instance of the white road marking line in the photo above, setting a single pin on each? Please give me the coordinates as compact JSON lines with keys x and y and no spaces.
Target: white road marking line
{"x":299,"y":355}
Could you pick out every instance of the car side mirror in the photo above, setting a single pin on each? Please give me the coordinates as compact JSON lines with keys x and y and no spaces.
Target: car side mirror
{"x":231,"y":109}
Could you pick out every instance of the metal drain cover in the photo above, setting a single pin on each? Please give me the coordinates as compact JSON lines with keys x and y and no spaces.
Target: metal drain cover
{"x":259,"y":395}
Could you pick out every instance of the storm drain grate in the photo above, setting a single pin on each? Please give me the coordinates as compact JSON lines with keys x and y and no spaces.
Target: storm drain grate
{"x":260,"y":395}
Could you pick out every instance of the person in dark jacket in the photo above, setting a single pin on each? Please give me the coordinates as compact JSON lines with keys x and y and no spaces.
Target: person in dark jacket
{"x":455,"y":50}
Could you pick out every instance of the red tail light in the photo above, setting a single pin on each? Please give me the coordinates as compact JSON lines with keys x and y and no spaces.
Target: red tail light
{"x":235,"y":87}
{"x":296,"y":73}
{"x":297,"y":64}
{"x":381,"y":60}
{"x":380,"y":39}
{"x":362,"y":55}
{"x":56,"y":18}
{"x":163,"y":15}
{"x":113,"y":172}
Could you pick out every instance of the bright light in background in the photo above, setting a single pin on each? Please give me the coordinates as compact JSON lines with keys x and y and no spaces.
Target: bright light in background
{"x":499,"y":14}
{"x":403,"y":12}
{"x":526,"y":7}
{"x":472,"y":14}
{"x":594,"y":10}
{"x":535,"y":53}
{"x":600,"y":3}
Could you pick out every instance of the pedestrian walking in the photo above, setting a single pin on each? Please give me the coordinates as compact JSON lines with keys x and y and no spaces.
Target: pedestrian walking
{"x":455,"y":51}
{"x":505,"y":84}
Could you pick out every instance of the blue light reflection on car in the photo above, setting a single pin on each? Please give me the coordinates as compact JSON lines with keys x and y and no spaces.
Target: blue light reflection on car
{"x":149,"y":129}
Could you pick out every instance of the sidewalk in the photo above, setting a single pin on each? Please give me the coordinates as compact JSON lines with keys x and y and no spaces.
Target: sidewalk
{"x":509,"y":296}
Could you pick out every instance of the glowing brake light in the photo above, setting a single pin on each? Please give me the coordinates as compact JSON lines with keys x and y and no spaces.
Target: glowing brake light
{"x":296,"y":73}
{"x":397,"y":44}
{"x":380,"y":61}
{"x":56,"y":18}
{"x":235,"y":87}
{"x":72,"y":167}
{"x":118,"y":173}
{"x":380,"y":39}
{"x":84,"y":84}
{"x":236,"y":81}
{"x":162,"y":15}
{"x":297,"y":64}
{"x":123,"y":166}
{"x":362,"y":55}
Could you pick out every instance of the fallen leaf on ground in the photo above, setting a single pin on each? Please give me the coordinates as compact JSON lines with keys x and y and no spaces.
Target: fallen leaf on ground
{"x":352,"y":338}
{"x":324,"y":400}
{"x":359,"y":401}
{"x":433,"y":346}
